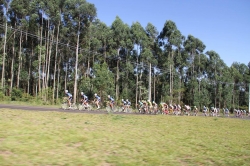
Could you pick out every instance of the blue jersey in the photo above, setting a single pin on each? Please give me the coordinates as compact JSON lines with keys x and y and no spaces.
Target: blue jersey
{"x":69,"y":94}
{"x":111,"y":99}
{"x":98,"y":98}
{"x":128,"y":103}
{"x":84,"y":97}
{"x":124,"y":102}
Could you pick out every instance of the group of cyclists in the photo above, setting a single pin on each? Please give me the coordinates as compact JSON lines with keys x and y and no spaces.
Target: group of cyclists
{"x":148,"y":107}
{"x":84,"y":100}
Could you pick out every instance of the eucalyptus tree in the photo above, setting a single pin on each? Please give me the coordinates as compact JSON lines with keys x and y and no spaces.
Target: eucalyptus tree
{"x":170,"y":38}
{"x":215,"y":66}
{"x":194,"y":47}
{"x":180,"y":64}
{"x":103,"y":80}
{"x":38,"y":8}
{"x":78,"y":15}
{"x":6,"y":5}
{"x":20,"y":8}
{"x":242,"y":80}
{"x":119,"y":35}
{"x":138,"y":35}
{"x":227,"y":86}
{"x":104,"y":36}
{"x":55,"y":14}
{"x":152,"y":34}
{"x":126,"y":81}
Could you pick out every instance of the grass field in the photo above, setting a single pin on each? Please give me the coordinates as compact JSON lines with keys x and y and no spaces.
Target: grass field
{"x":56,"y":138}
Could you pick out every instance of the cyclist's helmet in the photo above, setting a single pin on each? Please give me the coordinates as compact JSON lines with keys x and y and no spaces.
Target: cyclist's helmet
{"x":82,"y":93}
{"x":66,"y":91}
{"x":122,"y":100}
{"x":95,"y":94}
{"x":127,"y":100}
{"x":108,"y":96}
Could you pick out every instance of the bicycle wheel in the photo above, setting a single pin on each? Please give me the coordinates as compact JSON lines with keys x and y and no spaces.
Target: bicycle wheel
{"x":80,"y":107}
{"x":89,"y":108}
{"x":73,"y":106}
{"x":64,"y":106}
{"x":108,"y":109}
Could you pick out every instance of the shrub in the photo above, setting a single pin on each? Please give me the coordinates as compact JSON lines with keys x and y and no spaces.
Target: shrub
{"x":16,"y":94}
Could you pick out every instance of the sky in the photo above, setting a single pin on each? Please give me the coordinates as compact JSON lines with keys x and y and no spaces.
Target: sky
{"x":222,"y":25}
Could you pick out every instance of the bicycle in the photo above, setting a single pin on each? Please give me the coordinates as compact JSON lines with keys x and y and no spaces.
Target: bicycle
{"x":65,"y":105}
{"x":85,"y":106}
{"x":111,"y":107}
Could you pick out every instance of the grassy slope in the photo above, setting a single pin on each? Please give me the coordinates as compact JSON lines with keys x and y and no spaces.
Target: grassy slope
{"x":54,"y":138}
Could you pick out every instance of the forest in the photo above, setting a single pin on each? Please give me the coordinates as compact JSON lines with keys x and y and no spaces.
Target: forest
{"x":52,"y":45}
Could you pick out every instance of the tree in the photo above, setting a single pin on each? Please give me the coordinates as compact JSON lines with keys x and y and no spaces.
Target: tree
{"x":119,"y":35}
{"x":171,"y":38}
{"x":103,"y":80}
{"x":78,"y":14}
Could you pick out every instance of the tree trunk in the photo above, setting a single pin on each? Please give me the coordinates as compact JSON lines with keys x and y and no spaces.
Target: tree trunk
{"x":54,"y":76}
{"x":12,"y":62}
{"x":117,"y":80}
{"x":39,"y":58}
{"x":19,"y":59}
{"x":4,"y":52}
{"x":76,"y":65}
{"x":154,"y":87}
{"x":149,"y":83}
{"x":58,"y":77}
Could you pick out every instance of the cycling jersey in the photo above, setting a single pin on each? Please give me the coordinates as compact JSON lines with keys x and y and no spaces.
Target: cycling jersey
{"x":112,"y":99}
{"x":149,"y":103}
{"x":124,"y":102}
{"x":98,"y":98}
{"x":140,"y":103}
{"x":69,"y":94}
{"x":84,"y":97}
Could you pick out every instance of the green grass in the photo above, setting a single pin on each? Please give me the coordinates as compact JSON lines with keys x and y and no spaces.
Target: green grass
{"x":55,"y":138}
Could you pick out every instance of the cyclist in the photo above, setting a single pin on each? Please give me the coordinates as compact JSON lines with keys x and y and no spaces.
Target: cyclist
{"x":97,"y":100}
{"x":155,"y":107}
{"x":140,"y":106}
{"x":150,"y":106}
{"x":128,"y":103}
{"x":84,"y":99}
{"x":69,"y":95}
{"x":205,"y":110}
{"x":195,"y":111}
{"x":124,"y":105}
{"x":188,"y":109}
{"x":111,"y":102}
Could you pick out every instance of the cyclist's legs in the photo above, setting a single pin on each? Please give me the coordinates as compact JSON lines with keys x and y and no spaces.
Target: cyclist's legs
{"x":97,"y":104}
{"x":69,"y":101}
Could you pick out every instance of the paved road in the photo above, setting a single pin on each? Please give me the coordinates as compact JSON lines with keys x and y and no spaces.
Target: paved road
{"x":47,"y":108}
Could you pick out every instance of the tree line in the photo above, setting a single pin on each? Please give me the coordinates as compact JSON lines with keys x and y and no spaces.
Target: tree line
{"x":52,"y":45}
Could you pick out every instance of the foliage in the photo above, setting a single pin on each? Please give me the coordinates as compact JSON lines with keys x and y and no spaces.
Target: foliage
{"x":103,"y":80}
{"x":67,"y":46}
{"x":16,"y":94}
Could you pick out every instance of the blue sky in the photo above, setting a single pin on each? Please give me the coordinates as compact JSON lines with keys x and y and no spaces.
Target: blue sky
{"x":222,"y":25}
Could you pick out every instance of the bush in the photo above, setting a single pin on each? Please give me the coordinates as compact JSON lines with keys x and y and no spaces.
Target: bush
{"x":26,"y":97}
{"x":2,"y":96}
{"x":16,"y":94}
